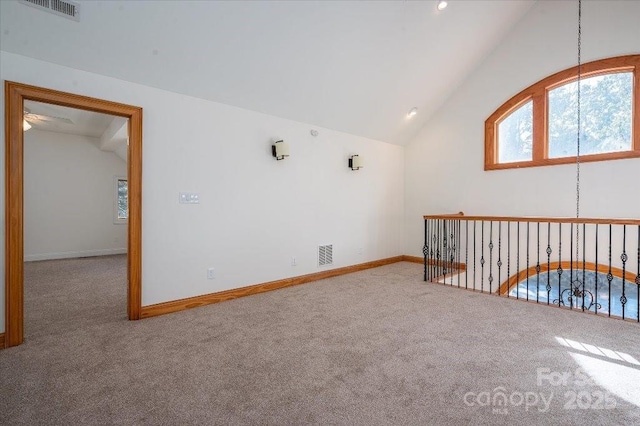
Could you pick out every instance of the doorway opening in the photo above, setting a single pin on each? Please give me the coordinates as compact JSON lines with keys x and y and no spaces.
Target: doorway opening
{"x":75,"y":216}
{"x":15,"y":96}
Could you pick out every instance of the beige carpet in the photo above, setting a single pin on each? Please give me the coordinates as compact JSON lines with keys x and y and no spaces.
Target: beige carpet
{"x":378,"y":347}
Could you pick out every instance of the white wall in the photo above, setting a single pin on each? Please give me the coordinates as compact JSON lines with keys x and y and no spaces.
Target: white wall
{"x":444,"y":165}
{"x":69,"y":194}
{"x":255,"y":212}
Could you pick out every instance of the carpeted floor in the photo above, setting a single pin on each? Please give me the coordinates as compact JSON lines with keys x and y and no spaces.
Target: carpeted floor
{"x":377,"y":347}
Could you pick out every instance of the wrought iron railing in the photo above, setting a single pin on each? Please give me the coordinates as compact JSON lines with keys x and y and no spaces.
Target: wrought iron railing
{"x":590,"y":265}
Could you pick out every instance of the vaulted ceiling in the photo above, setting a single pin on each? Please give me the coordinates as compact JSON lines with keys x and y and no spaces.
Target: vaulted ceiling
{"x":352,"y":66}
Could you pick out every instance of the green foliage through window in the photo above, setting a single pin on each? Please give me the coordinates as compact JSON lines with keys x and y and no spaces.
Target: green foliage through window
{"x":123,"y":199}
{"x":605,"y":116}
{"x":515,"y":135}
{"x":539,"y":125}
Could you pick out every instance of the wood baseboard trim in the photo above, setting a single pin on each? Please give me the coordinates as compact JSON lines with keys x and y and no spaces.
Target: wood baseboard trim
{"x":73,"y":254}
{"x":208,"y":299}
{"x":1,"y":341}
{"x":417,"y":259}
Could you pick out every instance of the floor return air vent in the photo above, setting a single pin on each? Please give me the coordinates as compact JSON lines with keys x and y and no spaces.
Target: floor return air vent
{"x":325,"y":255}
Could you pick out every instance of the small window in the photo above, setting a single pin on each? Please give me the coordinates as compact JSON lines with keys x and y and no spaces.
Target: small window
{"x":515,"y":135}
{"x":539,"y":126}
{"x":121,"y":200}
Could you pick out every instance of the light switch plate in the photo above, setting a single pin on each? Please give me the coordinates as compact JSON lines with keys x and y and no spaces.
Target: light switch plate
{"x":189,"y":198}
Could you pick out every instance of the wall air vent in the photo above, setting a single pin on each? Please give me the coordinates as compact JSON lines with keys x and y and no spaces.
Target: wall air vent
{"x":325,"y":255}
{"x":67,"y":9}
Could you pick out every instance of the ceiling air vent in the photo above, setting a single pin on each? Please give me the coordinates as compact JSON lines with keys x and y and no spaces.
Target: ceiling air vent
{"x":325,"y":255}
{"x":67,"y":9}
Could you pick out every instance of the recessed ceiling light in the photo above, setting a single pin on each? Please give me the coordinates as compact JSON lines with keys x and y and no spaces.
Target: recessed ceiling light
{"x":442,"y":5}
{"x":413,"y":112}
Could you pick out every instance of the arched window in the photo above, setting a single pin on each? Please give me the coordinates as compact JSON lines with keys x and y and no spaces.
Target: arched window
{"x":599,"y":288}
{"x":538,"y":126}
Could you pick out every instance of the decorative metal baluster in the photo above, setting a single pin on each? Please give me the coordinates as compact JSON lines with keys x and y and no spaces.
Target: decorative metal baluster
{"x":457,"y":251}
{"x":444,"y":251}
{"x":459,"y":238}
{"x":453,"y":248}
{"x":609,"y":275}
{"x":474,"y":255}
{"x":432,"y":227}
{"x":443,"y":248}
{"x":436,"y":266}
{"x":596,"y":274}
{"x":431,"y":252}
{"x":559,"y":263}
{"x":571,"y":284}
{"x":466,"y":254}
{"x":527,"y":260}
{"x":638,"y":275}
{"x":549,"y":251}
{"x":584,"y":265}
{"x":434,"y":249}
{"x":518,"y":261}
{"x":624,"y":258}
{"x":538,"y":266}
{"x":508,"y":258}
{"x":432,"y":240}
{"x":425,"y":247}
{"x":500,"y":254}
{"x":438,"y":251}
{"x":482,"y":258}
{"x":490,"y":254}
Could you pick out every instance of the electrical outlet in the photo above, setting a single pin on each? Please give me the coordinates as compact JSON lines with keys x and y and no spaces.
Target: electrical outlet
{"x":211,"y":274}
{"x":360,"y":250}
{"x":293,"y":261}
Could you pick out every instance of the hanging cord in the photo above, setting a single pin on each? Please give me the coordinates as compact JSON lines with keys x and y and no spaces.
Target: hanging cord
{"x":578,"y":137}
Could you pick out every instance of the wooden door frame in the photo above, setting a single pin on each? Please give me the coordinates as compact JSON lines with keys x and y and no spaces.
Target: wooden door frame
{"x":15,"y":95}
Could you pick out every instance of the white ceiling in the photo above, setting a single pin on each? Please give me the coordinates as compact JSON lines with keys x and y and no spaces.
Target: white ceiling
{"x":109,"y":132}
{"x":85,"y":123}
{"x":353,"y":66}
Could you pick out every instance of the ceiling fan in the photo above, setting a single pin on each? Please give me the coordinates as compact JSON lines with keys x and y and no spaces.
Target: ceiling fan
{"x":35,"y":119}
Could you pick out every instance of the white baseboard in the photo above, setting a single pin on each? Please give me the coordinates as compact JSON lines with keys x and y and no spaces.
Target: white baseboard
{"x":72,"y":254}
